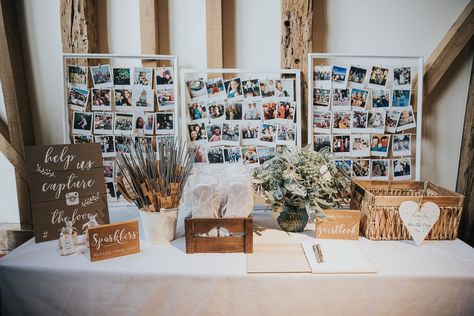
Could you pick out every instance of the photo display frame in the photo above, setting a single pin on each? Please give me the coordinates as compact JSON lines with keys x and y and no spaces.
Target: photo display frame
{"x":117,"y":99}
{"x":240,"y":116}
{"x":367,"y":110}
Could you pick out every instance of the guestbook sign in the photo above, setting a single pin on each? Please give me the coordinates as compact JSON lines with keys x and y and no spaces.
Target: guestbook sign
{"x":338,"y":224}
{"x":66,"y":184}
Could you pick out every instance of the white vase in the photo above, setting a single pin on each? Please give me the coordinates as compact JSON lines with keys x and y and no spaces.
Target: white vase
{"x":159,"y":227}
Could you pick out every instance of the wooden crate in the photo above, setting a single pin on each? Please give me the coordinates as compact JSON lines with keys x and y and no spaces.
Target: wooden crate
{"x":196,"y":244}
{"x":379,"y":202}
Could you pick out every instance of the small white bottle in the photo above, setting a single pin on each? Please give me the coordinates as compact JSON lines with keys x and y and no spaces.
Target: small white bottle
{"x":66,"y":242}
{"x":91,"y":223}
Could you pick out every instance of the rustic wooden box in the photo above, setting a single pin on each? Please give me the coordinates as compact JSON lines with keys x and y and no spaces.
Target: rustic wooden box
{"x":196,"y":244}
{"x":379,"y":202}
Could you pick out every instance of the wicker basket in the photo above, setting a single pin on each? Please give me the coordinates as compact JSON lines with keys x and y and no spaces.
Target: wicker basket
{"x":379,"y":202}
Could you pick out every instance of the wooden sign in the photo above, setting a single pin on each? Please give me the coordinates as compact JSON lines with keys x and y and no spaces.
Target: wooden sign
{"x":338,"y":224}
{"x":114,"y":240}
{"x":419,"y":221}
{"x":66,"y":184}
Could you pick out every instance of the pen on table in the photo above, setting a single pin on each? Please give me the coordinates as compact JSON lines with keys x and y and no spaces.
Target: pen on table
{"x":318,"y":253}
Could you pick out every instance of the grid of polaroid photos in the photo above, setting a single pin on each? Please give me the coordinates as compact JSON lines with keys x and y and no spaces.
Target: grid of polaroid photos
{"x":366,"y":118}
{"x":115,"y":105}
{"x":240,"y":120}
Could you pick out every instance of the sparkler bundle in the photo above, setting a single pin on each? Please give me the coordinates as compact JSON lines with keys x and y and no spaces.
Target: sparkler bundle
{"x":154,"y":180}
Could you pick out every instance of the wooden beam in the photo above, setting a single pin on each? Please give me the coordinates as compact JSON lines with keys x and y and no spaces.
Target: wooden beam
{"x":448,"y":49}
{"x":296,"y":43}
{"x":149,"y":35}
{"x":465,"y":181}
{"x":4,"y":130}
{"x":215,"y":57}
{"x":13,"y":81}
{"x":14,"y":157}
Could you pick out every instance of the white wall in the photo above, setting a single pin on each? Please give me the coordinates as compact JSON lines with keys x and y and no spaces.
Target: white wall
{"x":370,"y":26}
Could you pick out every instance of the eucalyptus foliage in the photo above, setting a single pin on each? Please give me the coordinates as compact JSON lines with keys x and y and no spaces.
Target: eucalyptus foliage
{"x":302,"y":178}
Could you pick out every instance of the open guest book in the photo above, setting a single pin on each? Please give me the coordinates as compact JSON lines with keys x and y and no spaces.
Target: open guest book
{"x":340,"y":256}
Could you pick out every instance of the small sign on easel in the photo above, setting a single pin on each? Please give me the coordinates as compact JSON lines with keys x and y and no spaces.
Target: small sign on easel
{"x":338,"y":224}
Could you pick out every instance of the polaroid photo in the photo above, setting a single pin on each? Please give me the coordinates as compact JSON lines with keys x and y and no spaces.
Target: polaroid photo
{"x":197,"y":133}
{"x":103,"y":123}
{"x":230,"y":133}
{"x":216,"y":110}
{"x":200,"y":154}
{"x":407,"y":119}
{"x":402,"y":77}
{"x":341,"y":145}
{"x":379,"y":169}
{"x":339,"y":77}
{"x":380,"y":99}
{"x":341,"y":122}
{"x":252,"y":110}
{"x":142,"y":76}
{"x":82,"y":123}
{"x":376,"y":121}
{"x":284,"y":88}
{"x":359,"y":98}
{"x":109,"y":170}
{"x":379,"y":144}
{"x":357,"y":76}
{"x":250,"y":132}
{"x":232,"y":155}
{"x":345,"y":165}
{"x":286,"y":134}
{"x":165,"y":97}
{"x":322,"y":76}
{"x":215,"y":88}
{"x":164,"y":123}
{"x":361,"y":169}
{"x":144,"y":123}
{"x":233,"y":111}
{"x":265,"y":154}
{"x":123,"y":123}
{"x":286,"y":111}
{"x":142,"y":98}
{"x":233,"y":88}
{"x":341,"y":99}
{"x":321,"y":98}
{"x":101,"y":99}
{"x":360,"y":145}
{"x":269,"y":110}
{"x":197,"y":88}
{"x":251,"y":88}
{"x":401,"y":145}
{"x":359,"y":121}
{"x":267,"y":135}
{"x":322,"y":143}
{"x":123,"y":99}
{"x":101,"y":76}
{"x":77,"y":76}
{"x":164,"y":76}
{"x":123,"y":144}
{"x":391,"y":120}
{"x":378,"y":77}
{"x":215,"y":155}
{"x":122,"y":76}
{"x":107,"y":145}
{"x":82,"y":139}
{"x":401,"y":169}
{"x":401,"y":98}
{"x":250,"y":155}
{"x":112,"y":193}
{"x":198,"y":111}
{"x":77,"y":98}
{"x":322,"y":121}
{"x":267,"y":88}
{"x":214,"y":134}
{"x":163,"y":139}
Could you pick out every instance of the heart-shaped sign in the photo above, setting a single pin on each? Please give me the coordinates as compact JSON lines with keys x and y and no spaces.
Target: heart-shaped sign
{"x":419,"y":221}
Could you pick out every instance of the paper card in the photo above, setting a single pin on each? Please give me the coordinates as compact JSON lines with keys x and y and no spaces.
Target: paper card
{"x":114,"y":240}
{"x":419,"y":221}
{"x":339,"y":224}
{"x":66,"y":183}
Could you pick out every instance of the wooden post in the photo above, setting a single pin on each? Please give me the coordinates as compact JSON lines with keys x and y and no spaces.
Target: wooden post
{"x":296,"y":43}
{"x":465,"y":181}
{"x":19,"y":129}
{"x":149,"y":35}
{"x":214,"y":33}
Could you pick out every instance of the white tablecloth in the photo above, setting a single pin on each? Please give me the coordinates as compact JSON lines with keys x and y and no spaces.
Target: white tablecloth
{"x":434,"y":279}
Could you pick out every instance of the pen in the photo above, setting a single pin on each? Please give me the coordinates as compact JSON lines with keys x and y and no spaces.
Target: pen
{"x":318,"y":253}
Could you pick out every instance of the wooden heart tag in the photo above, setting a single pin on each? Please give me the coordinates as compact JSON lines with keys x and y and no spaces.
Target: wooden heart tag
{"x":419,"y":222}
